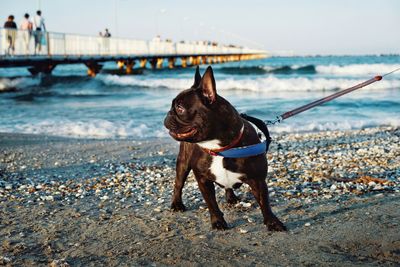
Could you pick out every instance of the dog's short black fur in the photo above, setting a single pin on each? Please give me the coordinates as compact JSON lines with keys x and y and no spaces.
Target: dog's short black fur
{"x":203,"y":121}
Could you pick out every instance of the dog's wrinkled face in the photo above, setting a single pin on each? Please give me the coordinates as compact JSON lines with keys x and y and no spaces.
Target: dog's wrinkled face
{"x":187,"y":118}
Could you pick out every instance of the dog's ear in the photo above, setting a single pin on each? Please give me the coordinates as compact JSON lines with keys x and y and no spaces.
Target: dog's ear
{"x":207,"y":86}
{"x":197,"y":78}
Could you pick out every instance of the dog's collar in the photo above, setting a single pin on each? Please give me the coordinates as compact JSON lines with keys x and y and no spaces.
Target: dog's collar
{"x":216,"y":152}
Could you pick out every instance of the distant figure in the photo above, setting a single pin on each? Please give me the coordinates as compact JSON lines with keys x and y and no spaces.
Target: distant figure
{"x":100,"y":43}
{"x":106,"y":41}
{"x":27,"y":27}
{"x":40,"y":27}
{"x":107,"y":34}
{"x":11,"y":34}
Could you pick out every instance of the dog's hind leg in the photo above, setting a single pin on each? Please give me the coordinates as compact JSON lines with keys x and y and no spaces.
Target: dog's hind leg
{"x":260,"y":191}
{"x":182,"y":171}
{"x":230,"y":196}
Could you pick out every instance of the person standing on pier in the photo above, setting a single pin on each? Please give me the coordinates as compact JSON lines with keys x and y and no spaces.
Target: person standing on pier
{"x":27,"y":27}
{"x":107,"y":34}
{"x":106,"y":40}
{"x":11,"y":34}
{"x":40,"y":27}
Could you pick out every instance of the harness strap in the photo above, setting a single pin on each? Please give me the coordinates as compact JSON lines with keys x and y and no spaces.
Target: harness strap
{"x":245,"y":151}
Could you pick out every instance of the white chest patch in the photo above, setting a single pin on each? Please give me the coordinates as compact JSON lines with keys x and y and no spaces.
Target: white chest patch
{"x":211,"y":144}
{"x":223,"y":176}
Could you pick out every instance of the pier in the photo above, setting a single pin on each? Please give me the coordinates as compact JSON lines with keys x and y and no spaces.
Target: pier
{"x":41,"y":52}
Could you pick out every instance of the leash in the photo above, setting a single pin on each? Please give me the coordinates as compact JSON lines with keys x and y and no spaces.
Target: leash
{"x":321,"y":101}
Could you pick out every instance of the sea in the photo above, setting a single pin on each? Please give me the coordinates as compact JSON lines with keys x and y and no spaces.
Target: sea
{"x":71,"y":104}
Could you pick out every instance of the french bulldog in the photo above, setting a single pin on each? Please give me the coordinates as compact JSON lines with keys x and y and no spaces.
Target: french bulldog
{"x":204,"y":123}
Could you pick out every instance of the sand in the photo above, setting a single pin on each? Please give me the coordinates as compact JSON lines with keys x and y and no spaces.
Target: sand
{"x":87,"y":202}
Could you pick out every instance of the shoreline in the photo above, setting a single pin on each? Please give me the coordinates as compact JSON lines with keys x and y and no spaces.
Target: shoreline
{"x":88,"y":202}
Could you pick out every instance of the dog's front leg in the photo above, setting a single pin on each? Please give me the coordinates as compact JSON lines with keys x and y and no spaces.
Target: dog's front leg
{"x":182,"y":172}
{"x":208,"y":191}
{"x":260,"y":191}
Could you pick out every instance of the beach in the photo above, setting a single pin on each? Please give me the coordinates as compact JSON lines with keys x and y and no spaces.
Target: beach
{"x":94,"y":202}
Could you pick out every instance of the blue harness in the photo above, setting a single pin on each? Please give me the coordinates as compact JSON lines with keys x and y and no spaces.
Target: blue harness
{"x":251,"y":150}
{"x":246,"y":151}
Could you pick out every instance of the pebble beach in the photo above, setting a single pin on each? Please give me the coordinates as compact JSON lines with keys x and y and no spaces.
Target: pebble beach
{"x":91,"y":202}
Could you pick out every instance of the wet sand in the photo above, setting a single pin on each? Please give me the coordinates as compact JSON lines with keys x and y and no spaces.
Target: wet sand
{"x":83,"y":202}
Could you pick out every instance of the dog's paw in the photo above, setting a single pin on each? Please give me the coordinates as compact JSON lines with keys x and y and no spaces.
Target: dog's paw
{"x":275,"y":225}
{"x":178,"y":206}
{"x":219,"y":225}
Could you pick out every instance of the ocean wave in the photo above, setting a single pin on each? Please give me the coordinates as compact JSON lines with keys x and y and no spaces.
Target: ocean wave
{"x":343,"y":70}
{"x":255,"y":70}
{"x":171,"y":83}
{"x":261,"y":70}
{"x":333,"y":126}
{"x":98,"y":128}
{"x":262,"y":84}
{"x":358,"y":69}
{"x":308,"y":69}
{"x":12,"y":84}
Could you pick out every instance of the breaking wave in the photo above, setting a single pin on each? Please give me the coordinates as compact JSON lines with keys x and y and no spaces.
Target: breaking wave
{"x":260,"y":70}
{"x":261,"y":84}
{"x":101,"y":129}
{"x":358,"y":69}
{"x":98,"y":128}
{"x":13,"y":84}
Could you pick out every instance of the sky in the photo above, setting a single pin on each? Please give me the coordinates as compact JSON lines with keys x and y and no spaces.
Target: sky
{"x":299,"y":27}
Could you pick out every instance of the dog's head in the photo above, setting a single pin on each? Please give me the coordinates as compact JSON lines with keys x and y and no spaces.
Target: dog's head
{"x":199,"y":114}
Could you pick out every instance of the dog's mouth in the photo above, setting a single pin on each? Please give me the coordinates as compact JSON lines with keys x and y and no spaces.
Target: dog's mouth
{"x":183,"y":135}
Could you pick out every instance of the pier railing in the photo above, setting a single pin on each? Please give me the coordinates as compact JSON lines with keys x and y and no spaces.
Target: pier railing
{"x":36,"y":43}
{"x":41,"y":52}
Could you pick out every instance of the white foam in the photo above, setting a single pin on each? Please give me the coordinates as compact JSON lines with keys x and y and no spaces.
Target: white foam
{"x":269,"y":83}
{"x":170,"y":83}
{"x":288,"y":127}
{"x":359,"y":69}
{"x":6,"y":83}
{"x":106,"y":129}
{"x":86,"y":129}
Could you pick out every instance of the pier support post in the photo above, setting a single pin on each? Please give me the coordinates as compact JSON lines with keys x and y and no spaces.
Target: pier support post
{"x":45,"y":68}
{"x":93,"y":68}
{"x":143,"y":62}
{"x":203,"y":60}
{"x":184,"y":62}
{"x":196,"y":60}
{"x":153,"y":63}
{"x":121,"y":64}
{"x":129,"y":66}
{"x":171,"y":62}
{"x":191,"y":59}
{"x":160,"y":62}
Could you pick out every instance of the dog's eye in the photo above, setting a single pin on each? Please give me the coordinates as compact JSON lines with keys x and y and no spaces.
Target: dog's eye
{"x":179,"y":109}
